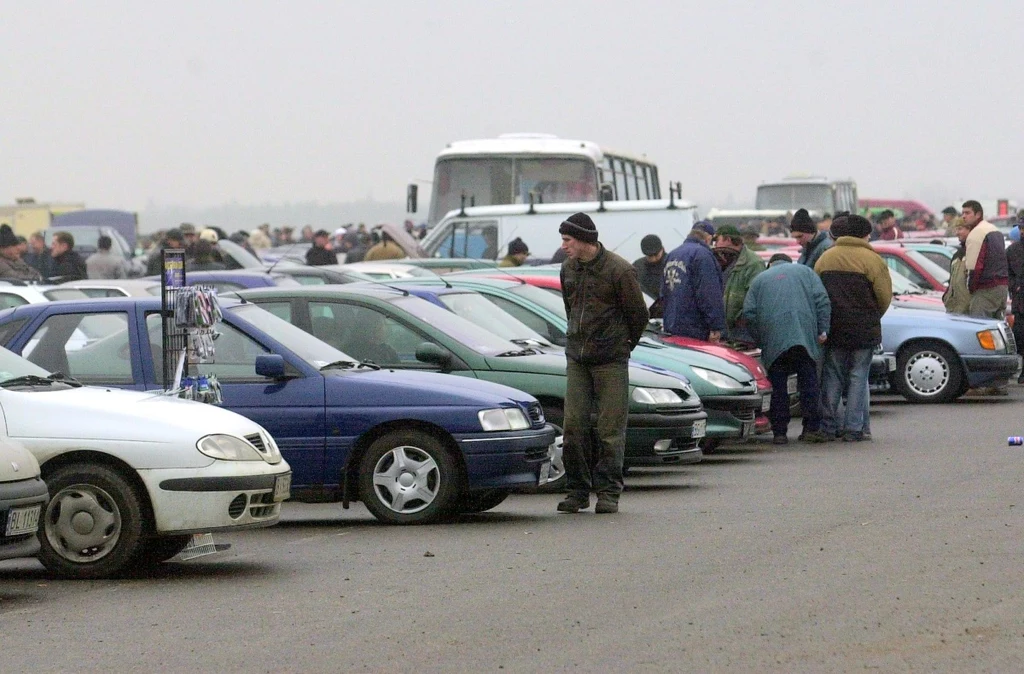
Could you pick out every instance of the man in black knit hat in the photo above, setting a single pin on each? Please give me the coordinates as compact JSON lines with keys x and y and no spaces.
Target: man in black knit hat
{"x":607,"y":317}
{"x":812,"y":241}
{"x":650,"y":268}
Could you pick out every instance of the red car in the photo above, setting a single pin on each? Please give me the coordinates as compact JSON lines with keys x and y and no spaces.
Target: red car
{"x":912,"y":264}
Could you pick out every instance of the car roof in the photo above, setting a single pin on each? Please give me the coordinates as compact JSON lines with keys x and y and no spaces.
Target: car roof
{"x":361,"y":289}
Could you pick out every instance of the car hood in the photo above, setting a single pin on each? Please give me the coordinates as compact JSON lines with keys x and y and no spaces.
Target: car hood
{"x":908,"y":316}
{"x":663,"y":355}
{"x":552,"y":364}
{"x":16,"y":462}
{"x":400,"y":388}
{"x":94,"y":413}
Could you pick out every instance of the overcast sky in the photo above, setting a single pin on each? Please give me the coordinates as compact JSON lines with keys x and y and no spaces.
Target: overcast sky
{"x":203,"y":103}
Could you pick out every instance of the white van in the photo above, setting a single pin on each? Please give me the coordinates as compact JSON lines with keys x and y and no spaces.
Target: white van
{"x":485,"y":231}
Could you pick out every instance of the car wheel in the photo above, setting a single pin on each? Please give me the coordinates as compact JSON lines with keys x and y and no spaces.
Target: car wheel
{"x":160,"y":549}
{"x":928,"y":373}
{"x":92,"y":527}
{"x":407,"y":477}
{"x":554,"y":414}
{"x":481,"y":500}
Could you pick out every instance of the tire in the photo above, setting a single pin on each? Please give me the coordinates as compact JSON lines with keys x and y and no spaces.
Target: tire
{"x":407,"y":477}
{"x":160,"y":549}
{"x":481,"y":500}
{"x":93,"y":524}
{"x":928,"y":372}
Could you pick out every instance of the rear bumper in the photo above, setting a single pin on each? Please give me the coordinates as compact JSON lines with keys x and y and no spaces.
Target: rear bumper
{"x":505,"y":459}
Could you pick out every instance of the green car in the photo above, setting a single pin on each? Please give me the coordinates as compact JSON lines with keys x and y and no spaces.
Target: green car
{"x":727,"y":390}
{"x":395,"y":329}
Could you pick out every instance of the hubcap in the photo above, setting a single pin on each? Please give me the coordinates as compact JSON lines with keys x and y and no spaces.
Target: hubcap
{"x":83,"y":524}
{"x":926,"y":373}
{"x":406,"y":479}
{"x":557,"y":470}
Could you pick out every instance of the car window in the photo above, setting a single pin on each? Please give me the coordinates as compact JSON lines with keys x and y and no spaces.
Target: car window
{"x":365,"y":333}
{"x":905,"y":269}
{"x":476,"y":309}
{"x":92,"y":348}
{"x":282,"y":310}
{"x":309,"y":280}
{"x":234,"y":357}
{"x":537,"y":323}
{"x":56,"y":294}
{"x":8,"y":300}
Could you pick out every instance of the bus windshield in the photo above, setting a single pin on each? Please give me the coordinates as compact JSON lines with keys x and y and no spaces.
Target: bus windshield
{"x":790,"y":197}
{"x":491,"y":180}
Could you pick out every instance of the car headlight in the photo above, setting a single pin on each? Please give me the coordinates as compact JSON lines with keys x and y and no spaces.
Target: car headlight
{"x":228,"y":448}
{"x":503,"y":419}
{"x":717,"y":378}
{"x":273,"y":455}
{"x":656,"y":396}
{"x":991,"y":340}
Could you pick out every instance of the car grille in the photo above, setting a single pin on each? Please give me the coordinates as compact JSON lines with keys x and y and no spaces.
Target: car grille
{"x":536,"y":453}
{"x":536,"y":414}
{"x":1011,"y":341}
{"x":256,"y":440}
{"x":262,"y":505}
{"x":744,"y":415}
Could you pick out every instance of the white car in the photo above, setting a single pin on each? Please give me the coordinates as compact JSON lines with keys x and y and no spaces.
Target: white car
{"x":16,"y":295}
{"x":22,"y":497}
{"x":388,"y":270}
{"x":131,"y":287}
{"x":132,"y":475}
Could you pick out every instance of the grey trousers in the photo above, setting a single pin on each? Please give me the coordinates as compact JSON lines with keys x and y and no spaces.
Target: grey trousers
{"x":988,"y":303}
{"x":593,"y":452}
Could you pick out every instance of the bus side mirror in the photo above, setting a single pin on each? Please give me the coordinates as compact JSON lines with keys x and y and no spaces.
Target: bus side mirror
{"x":411,"y":193}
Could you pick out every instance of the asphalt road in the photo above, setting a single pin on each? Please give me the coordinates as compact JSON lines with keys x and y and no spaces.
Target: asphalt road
{"x":904,"y":554}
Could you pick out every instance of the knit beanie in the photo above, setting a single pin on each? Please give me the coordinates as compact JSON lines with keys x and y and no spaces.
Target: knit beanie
{"x":802,"y":222}
{"x":650,"y":244}
{"x":851,"y":225}
{"x":579,"y":226}
{"x":516,"y":246}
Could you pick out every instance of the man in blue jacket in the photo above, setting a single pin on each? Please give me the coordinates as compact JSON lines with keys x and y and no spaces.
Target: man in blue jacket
{"x":692,"y":289}
{"x":787,"y":310}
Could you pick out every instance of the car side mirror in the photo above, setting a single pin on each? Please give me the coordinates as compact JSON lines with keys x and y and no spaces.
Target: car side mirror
{"x":428,"y":352}
{"x":270,"y":365}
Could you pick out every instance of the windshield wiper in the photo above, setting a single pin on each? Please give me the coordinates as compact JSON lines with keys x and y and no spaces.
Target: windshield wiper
{"x":33,"y":379}
{"x":350,"y":364}
{"x":520,"y":352}
{"x":530,"y":342}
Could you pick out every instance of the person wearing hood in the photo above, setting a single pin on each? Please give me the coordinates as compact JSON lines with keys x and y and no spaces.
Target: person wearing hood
{"x":650,"y":268}
{"x":12,"y":267}
{"x":813,"y":240}
{"x":957,"y":298}
{"x":385,"y":250}
{"x":740,"y":266}
{"x":517,"y":254}
{"x":692,"y":291}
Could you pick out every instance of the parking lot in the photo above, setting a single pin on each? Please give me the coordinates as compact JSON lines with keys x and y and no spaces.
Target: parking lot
{"x":899,"y":554}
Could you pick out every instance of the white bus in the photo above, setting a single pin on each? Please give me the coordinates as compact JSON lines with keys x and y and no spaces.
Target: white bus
{"x":519,"y":168}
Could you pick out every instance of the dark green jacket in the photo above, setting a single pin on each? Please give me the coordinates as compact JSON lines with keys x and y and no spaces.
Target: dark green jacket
{"x":748,"y":265}
{"x":605,"y":306}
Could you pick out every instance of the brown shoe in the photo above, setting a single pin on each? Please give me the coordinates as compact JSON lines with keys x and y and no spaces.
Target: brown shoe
{"x":606,"y":504}
{"x":573,"y":503}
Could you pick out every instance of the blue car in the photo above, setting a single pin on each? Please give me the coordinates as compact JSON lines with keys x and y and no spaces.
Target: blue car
{"x":237,"y":279}
{"x":940,"y":356}
{"x":412,"y":446}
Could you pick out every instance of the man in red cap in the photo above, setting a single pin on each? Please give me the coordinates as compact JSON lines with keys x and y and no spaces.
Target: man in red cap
{"x":607,"y":316}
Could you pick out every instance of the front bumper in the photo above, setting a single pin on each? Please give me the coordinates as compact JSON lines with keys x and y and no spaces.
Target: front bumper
{"x":654,"y":439}
{"x":734,"y":416}
{"x":20,"y":494}
{"x":506,"y":459}
{"x":222,"y":496}
{"x":983,"y":370}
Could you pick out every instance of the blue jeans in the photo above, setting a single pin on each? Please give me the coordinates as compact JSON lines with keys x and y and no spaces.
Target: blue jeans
{"x":845,"y":371}
{"x":794,"y":361}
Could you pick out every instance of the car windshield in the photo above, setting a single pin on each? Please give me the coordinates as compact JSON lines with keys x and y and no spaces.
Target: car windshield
{"x":901,"y":284}
{"x":549,"y":301}
{"x":12,"y":365}
{"x":476,"y":338}
{"x":478,"y":310}
{"x":304,"y":345}
{"x":936,"y":272}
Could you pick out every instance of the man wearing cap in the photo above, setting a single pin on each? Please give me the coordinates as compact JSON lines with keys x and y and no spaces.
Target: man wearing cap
{"x":813,"y":241}
{"x":692,"y":290}
{"x":950,"y":217}
{"x":957,"y":298}
{"x":860,"y":290}
{"x":11,"y":265}
{"x":319,"y":253}
{"x":740,"y":266}
{"x":650,"y":268}
{"x":607,"y":316}
{"x":788,"y":311}
{"x":172,"y":239}
{"x":517,"y":254}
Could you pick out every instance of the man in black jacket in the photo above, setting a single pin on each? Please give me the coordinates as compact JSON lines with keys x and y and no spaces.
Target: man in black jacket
{"x":650,"y":269}
{"x":67,"y":264}
{"x":607,"y":317}
{"x":319,"y":254}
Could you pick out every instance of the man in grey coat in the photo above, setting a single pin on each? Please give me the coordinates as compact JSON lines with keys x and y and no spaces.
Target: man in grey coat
{"x":104,"y":263}
{"x":788,"y":311}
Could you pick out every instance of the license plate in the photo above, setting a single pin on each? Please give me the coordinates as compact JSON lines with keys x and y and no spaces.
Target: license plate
{"x":545,"y":472}
{"x":791,"y":385}
{"x":890,"y":363}
{"x":282,"y":487}
{"x":700,"y":429}
{"x":748,"y":429}
{"x":21,"y":521}
{"x":766,"y":402}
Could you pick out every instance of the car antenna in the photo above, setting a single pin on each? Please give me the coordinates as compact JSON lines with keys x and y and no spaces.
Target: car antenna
{"x":271,"y":267}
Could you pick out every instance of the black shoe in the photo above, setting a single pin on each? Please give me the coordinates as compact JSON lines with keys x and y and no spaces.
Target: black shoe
{"x":815,"y":437}
{"x":853,"y":436}
{"x":606,"y":504}
{"x":573,"y":503}
{"x":780,"y":440}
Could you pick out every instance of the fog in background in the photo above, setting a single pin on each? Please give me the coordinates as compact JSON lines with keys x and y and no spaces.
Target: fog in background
{"x":245,"y":108}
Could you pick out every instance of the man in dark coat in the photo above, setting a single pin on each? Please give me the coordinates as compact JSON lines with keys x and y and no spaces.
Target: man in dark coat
{"x":813,"y":241}
{"x":67,"y":264}
{"x":650,"y":268}
{"x":172,"y":239}
{"x":318,"y":253}
{"x":692,"y":290}
{"x":607,"y":316}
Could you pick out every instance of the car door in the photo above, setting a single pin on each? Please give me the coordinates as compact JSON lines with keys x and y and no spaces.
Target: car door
{"x":291,"y":409}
